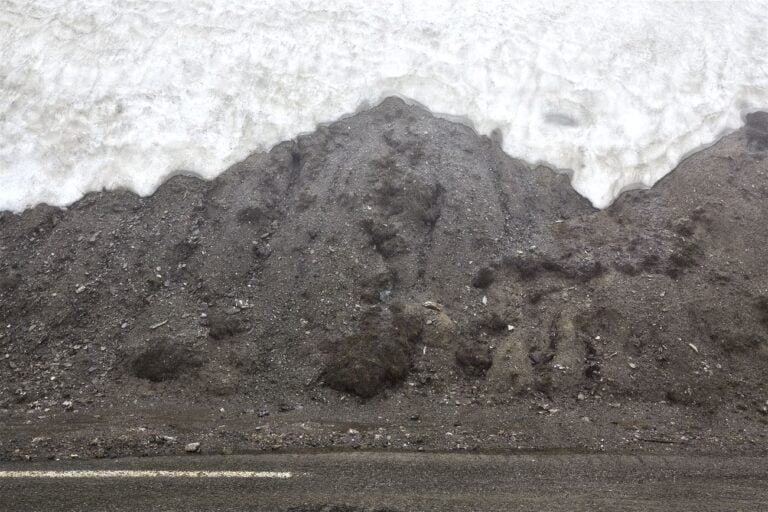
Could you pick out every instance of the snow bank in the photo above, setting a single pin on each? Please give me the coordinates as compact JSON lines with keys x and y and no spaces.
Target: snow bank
{"x":105,"y":93}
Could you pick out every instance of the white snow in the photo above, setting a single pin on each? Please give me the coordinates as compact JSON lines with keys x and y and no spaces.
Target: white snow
{"x":123,"y":93}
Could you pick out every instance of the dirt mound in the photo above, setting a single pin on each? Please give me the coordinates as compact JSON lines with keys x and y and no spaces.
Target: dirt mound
{"x":398,"y":256}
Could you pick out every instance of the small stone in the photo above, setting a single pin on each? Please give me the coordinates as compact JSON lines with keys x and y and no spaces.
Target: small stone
{"x":192,"y":448}
{"x":632,"y":365}
{"x":485,"y":300}
{"x":580,"y":396}
{"x":80,"y":289}
{"x":433,"y":305}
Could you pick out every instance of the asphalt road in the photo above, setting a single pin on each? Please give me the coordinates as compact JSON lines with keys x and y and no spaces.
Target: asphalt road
{"x":391,"y":482}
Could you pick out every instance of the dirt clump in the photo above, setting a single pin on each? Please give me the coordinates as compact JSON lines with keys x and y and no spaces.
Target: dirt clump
{"x":164,"y":360}
{"x":474,"y":359}
{"x":376,"y":356}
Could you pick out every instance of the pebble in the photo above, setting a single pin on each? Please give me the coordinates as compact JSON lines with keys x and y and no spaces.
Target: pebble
{"x":433,"y":305}
{"x":192,"y":448}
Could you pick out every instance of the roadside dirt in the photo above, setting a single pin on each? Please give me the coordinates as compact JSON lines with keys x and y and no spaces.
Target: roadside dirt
{"x":395,"y":281}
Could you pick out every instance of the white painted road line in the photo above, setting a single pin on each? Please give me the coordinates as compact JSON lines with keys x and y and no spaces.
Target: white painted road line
{"x":144,"y":474}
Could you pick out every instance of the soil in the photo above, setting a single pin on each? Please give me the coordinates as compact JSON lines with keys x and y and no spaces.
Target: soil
{"x":393,"y":281}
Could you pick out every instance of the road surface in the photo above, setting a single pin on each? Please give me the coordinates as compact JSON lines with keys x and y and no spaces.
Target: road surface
{"x":353,"y":481}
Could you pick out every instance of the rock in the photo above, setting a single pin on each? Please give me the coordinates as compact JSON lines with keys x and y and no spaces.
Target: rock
{"x":441,"y":332}
{"x":192,"y":448}
{"x":433,"y":305}
{"x":538,"y":357}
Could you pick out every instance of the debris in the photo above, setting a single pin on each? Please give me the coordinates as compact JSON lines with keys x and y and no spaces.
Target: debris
{"x":433,"y":305}
{"x":633,"y":365}
{"x":660,"y":441}
{"x":510,"y":327}
{"x":153,"y":327}
{"x":580,"y":396}
{"x":485,"y":300}
{"x":80,"y":289}
{"x":694,"y":347}
{"x":192,"y":448}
